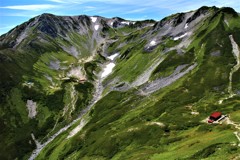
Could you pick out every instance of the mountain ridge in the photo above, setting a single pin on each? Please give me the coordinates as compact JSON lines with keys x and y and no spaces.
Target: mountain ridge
{"x":166,"y":78}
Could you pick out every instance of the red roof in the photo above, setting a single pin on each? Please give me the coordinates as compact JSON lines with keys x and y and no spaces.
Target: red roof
{"x":216,"y":114}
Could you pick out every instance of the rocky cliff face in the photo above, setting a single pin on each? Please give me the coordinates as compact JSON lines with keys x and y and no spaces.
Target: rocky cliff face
{"x":107,"y":88}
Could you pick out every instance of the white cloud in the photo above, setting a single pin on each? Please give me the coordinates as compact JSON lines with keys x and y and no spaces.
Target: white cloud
{"x":136,"y":11}
{"x":58,"y":1}
{"x":34,"y":7}
{"x":89,"y":8}
{"x":176,"y":5}
{"x":68,"y":1}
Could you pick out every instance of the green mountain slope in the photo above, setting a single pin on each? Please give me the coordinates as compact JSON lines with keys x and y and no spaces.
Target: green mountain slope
{"x":59,"y":102}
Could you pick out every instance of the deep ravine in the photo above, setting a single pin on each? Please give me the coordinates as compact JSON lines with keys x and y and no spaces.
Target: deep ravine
{"x":97,"y":96}
{"x":236,"y":53}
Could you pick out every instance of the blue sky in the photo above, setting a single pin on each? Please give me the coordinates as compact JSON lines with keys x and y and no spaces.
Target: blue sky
{"x":15,"y":12}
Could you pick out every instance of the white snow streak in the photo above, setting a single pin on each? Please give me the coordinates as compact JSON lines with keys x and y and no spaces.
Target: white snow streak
{"x":112,"y":57}
{"x":186,"y":26}
{"x":94,"y":19}
{"x":127,"y":23}
{"x":107,"y":70}
{"x":152,"y":43}
{"x":179,"y":37}
{"x":96,"y":27}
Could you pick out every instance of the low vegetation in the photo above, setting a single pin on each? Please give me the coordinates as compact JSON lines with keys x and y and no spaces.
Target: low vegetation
{"x":167,"y":124}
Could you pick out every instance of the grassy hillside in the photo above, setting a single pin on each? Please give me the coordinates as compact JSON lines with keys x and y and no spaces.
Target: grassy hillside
{"x":154,"y":104}
{"x":168,"y":124}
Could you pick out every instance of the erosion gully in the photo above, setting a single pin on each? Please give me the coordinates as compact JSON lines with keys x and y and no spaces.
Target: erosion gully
{"x":96,"y":97}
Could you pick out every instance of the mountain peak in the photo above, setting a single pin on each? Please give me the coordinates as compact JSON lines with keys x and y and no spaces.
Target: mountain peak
{"x":134,"y":88}
{"x":229,"y":10}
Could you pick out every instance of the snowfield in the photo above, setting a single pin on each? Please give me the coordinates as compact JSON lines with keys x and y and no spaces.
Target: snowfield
{"x":179,"y":37}
{"x":152,"y":43}
{"x":127,"y":23}
{"x":94,"y":19}
{"x":107,"y":70}
{"x":112,"y":57}
{"x":96,"y":27}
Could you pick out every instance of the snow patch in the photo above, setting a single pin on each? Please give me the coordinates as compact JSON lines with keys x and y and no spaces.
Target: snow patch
{"x":94,"y":19}
{"x":32,"y":108}
{"x":186,"y":26}
{"x":179,"y":37}
{"x":77,"y":129}
{"x":111,"y":23}
{"x":107,"y":70}
{"x":96,"y":27}
{"x":112,"y":57}
{"x":152,"y":43}
{"x":124,"y":22}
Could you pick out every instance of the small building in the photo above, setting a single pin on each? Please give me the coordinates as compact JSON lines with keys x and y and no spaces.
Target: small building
{"x":214,"y":117}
